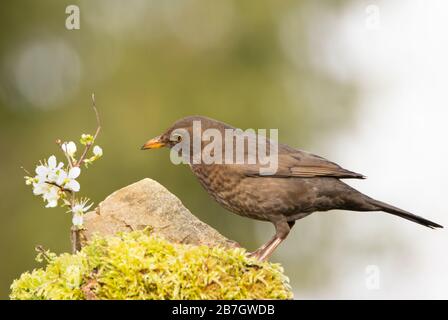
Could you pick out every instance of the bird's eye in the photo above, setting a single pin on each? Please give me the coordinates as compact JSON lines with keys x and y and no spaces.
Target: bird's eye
{"x":176,"y":138}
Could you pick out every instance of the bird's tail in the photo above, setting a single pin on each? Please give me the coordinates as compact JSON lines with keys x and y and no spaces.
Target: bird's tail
{"x":381,"y":206}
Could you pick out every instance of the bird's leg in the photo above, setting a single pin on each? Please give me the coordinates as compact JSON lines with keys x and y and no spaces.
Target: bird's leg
{"x":257,"y":252}
{"x":266,"y":254}
{"x":282,"y":229}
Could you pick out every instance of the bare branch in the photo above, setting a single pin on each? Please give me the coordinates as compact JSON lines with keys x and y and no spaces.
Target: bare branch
{"x":26,"y":171}
{"x":98,"y":129}
{"x":77,"y":239}
{"x":98,"y":122}
{"x":40,"y":249}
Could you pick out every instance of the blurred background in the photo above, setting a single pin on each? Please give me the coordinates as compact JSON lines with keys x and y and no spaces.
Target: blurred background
{"x":362,"y":83}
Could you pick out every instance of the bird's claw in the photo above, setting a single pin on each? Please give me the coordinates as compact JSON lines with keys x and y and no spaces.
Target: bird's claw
{"x":257,"y":254}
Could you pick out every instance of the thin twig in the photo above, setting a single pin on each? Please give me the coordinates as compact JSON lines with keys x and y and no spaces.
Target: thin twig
{"x":98,"y":128}
{"x":75,"y":232}
{"x":74,"y":237}
{"x":26,"y":171}
{"x":40,"y":249}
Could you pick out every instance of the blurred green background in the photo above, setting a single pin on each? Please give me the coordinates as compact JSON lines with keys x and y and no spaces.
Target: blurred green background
{"x":150,"y":63}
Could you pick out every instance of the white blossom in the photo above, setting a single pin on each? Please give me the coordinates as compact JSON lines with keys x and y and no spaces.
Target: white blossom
{"x":78,"y":210}
{"x":69,"y":148}
{"x":67,"y":180}
{"x":48,"y":171}
{"x":56,"y":183}
{"x":52,"y":197}
{"x":47,"y":174}
{"x":49,"y":193}
{"x":81,"y":207}
{"x":97,"y":151}
{"x":51,"y":178}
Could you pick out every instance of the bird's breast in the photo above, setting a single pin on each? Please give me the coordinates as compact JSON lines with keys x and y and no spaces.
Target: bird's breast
{"x":220,"y":182}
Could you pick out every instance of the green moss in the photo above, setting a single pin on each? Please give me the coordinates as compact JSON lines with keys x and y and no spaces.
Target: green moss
{"x":137,"y":265}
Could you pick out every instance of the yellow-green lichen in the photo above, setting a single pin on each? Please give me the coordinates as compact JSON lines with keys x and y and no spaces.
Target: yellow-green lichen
{"x":137,"y":265}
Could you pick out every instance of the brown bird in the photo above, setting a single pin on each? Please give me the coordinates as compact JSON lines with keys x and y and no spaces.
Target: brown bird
{"x":302,"y":184}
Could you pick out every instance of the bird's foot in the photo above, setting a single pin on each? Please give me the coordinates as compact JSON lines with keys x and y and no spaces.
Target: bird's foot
{"x":262,"y":254}
{"x":259,"y":254}
{"x":265,"y":252}
{"x":256,"y":254}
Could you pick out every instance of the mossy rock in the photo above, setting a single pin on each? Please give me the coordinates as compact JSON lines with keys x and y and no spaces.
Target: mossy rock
{"x":137,"y":265}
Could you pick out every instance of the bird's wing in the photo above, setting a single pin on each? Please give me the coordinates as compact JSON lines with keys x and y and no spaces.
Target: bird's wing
{"x":297,"y":163}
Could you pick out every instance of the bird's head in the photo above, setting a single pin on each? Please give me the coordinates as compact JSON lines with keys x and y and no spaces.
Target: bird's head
{"x":180,"y":130}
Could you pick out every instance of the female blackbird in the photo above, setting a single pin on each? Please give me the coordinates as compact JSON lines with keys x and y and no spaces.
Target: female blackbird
{"x":302,"y":184}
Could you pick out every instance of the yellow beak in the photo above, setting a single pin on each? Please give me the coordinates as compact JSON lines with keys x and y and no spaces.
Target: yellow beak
{"x":154,"y":143}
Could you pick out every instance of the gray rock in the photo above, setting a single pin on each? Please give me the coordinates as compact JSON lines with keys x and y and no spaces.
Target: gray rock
{"x":148,"y":203}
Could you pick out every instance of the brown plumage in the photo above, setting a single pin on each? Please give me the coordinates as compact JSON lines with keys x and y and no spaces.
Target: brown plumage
{"x":303,"y":183}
